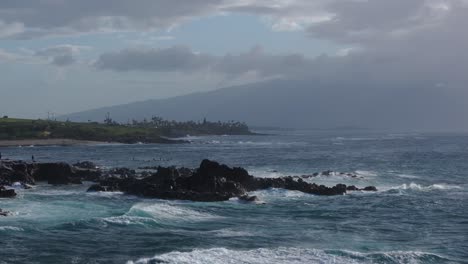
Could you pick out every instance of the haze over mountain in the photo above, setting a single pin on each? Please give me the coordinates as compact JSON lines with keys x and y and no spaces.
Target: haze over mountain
{"x":299,"y":104}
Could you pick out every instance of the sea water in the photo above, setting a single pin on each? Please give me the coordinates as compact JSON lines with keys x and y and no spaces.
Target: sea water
{"x":419,"y":214}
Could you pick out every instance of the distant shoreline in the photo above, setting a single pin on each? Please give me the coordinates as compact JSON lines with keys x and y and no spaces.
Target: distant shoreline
{"x":47,"y":142}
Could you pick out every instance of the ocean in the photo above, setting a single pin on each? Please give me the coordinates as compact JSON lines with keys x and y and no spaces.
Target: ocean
{"x":418,"y":215}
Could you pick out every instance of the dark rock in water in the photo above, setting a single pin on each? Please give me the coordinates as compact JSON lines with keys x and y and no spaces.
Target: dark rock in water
{"x":210,"y":182}
{"x":121,"y":173}
{"x":370,"y":189}
{"x":56,"y":173}
{"x":97,"y":188}
{"x":4,"y":213}
{"x":250,"y":199}
{"x":53,"y":173}
{"x":16,"y":171}
{"x":87,"y":174}
{"x":7,"y":193}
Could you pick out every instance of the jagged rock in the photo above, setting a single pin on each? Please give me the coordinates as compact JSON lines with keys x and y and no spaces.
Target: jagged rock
{"x":121,"y":173}
{"x":210,"y":182}
{"x":370,"y":189}
{"x":57,"y":173}
{"x":7,"y":193}
{"x":4,"y":213}
{"x":250,"y":199}
{"x":16,"y":171}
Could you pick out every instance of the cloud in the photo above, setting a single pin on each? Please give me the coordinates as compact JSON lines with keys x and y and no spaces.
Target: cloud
{"x":360,"y":22}
{"x":61,"y":55}
{"x":182,"y":59}
{"x":32,"y":18}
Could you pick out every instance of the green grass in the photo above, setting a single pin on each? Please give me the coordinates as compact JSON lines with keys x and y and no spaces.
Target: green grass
{"x":154,"y":131}
{"x":15,"y":129}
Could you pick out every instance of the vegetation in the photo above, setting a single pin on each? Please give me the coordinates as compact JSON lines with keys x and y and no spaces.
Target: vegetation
{"x":156,"y":130}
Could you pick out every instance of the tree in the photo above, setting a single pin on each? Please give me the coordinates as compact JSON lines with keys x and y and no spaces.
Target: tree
{"x":108,"y":119}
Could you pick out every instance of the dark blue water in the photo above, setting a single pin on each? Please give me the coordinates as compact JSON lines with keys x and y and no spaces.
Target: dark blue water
{"x":419,"y":214}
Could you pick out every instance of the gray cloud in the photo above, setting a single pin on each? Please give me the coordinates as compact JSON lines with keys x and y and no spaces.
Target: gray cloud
{"x":178,"y":58}
{"x":183,"y":59}
{"x":62,"y":55}
{"x":31,"y":18}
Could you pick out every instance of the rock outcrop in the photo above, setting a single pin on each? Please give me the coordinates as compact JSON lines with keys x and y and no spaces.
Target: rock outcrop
{"x":210,"y":182}
{"x":52,"y":173}
{"x":4,"y":213}
{"x":7,"y":193}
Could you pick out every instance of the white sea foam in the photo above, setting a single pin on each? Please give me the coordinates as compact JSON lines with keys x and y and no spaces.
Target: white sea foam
{"x":105,"y":194}
{"x":365,"y":173}
{"x":231,"y":233}
{"x":408,"y":176}
{"x":51,"y":192}
{"x":11,"y":228}
{"x":274,"y":193}
{"x":129,"y":220}
{"x":268,"y":173}
{"x":165,"y":212}
{"x":146,"y":213}
{"x":257,"y":256}
{"x":419,"y":187}
{"x":287,"y":255}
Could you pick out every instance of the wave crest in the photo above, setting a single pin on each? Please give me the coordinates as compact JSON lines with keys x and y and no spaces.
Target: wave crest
{"x":11,"y":228}
{"x":419,"y":187}
{"x":289,"y":255}
{"x":159,"y":213}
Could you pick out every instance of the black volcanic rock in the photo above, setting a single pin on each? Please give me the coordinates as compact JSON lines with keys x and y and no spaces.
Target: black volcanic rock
{"x":210,"y":182}
{"x":7,"y":193}
{"x":16,"y":171}
{"x":4,"y":213}
{"x":56,"y":173}
{"x":370,"y":189}
{"x":121,"y":173}
{"x":53,"y":173}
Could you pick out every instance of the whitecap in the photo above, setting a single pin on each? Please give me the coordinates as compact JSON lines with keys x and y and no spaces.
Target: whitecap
{"x":256,"y":256}
{"x":11,"y":228}
{"x":365,"y":173}
{"x":231,"y":233}
{"x":105,"y":194}
{"x":267,"y":173}
{"x":408,"y":176}
{"x":392,"y":256}
{"x":419,"y":187}
{"x":128,"y":220}
{"x":274,"y":193}
{"x":288,"y":255}
{"x":168,"y":213}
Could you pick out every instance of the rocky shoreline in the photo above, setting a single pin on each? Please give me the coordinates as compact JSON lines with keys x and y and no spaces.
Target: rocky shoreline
{"x":209,"y":182}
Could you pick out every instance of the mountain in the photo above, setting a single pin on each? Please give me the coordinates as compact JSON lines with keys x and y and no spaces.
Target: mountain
{"x":307,"y":104}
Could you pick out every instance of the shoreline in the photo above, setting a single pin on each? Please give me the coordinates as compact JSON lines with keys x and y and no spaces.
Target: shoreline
{"x":47,"y":142}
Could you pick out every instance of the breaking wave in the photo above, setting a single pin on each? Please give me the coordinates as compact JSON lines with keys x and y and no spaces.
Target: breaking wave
{"x":289,"y":255}
{"x":11,"y":228}
{"x":161,"y":213}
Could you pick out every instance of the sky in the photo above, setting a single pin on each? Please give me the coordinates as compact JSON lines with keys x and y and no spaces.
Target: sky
{"x":64,"y":56}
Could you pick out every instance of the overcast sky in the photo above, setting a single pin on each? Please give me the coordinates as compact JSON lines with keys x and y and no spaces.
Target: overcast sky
{"x":65,"y":56}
